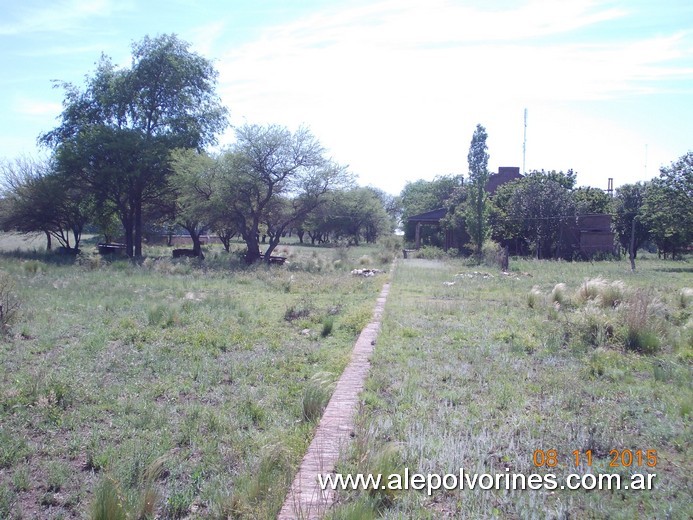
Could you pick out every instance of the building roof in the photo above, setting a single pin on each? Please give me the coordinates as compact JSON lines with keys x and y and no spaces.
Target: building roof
{"x":431,"y":217}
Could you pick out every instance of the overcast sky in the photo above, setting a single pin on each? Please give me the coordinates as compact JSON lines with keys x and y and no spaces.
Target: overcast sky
{"x":395,"y":88}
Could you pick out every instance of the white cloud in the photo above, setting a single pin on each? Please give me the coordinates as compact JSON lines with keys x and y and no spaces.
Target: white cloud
{"x":37,"y":108}
{"x":60,"y":16}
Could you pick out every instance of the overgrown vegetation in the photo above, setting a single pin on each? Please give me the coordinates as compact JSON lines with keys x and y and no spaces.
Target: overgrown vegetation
{"x":478,"y":370}
{"x":170,"y":388}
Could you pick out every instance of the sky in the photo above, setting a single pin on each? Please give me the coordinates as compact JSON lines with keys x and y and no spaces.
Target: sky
{"x":394,"y":88}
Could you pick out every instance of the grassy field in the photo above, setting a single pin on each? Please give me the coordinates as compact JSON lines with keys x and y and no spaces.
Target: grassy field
{"x":477,"y":370}
{"x":169,"y":388}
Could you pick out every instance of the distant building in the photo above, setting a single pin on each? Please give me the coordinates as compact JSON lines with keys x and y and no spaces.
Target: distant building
{"x":505,"y":174}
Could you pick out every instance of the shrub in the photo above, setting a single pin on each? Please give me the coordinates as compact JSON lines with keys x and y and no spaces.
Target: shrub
{"x":491,"y":253}
{"x":431,"y":253}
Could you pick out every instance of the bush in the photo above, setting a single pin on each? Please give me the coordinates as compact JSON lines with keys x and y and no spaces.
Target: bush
{"x":431,"y":253}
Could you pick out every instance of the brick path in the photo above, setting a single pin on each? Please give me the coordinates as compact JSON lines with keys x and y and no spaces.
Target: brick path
{"x":305,"y":499}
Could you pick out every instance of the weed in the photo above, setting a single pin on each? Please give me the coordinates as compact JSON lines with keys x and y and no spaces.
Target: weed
{"x":20,"y":479}
{"x":58,"y":474}
{"x":295,"y":312}
{"x":12,"y":449}
{"x":7,"y":501}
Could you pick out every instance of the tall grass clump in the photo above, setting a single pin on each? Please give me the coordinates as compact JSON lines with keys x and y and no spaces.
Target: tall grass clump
{"x":602,"y":292}
{"x":535,"y":298}
{"x":559,"y":295}
{"x":327,"y":326}
{"x":640,"y":334}
{"x":316,"y":396}
{"x":109,"y":502}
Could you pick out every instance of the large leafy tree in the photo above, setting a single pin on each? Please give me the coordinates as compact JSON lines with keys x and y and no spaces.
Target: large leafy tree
{"x":591,"y":200}
{"x":667,"y":208}
{"x":194,"y":181}
{"x":116,"y":134}
{"x":535,"y":210}
{"x":273,"y":174}
{"x":477,"y":211}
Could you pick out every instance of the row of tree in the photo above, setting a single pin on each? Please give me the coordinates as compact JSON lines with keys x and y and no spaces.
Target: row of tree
{"x":531,"y":214}
{"x":130,"y":154}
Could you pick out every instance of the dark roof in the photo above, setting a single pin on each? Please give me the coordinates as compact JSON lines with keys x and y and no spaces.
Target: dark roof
{"x":432,"y":216}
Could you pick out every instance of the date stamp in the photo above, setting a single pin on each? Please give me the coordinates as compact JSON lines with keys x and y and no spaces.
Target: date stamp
{"x":617,"y":458}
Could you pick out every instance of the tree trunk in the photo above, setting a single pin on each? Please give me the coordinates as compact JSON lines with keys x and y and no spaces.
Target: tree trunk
{"x":299,"y":233}
{"x":138,"y":229}
{"x":197,"y":246}
{"x":632,"y":246}
{"x":253,"y":245}
{"x":49,"y":244}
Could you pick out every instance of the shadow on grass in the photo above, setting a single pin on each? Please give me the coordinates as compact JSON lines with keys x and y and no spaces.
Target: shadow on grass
{"x":49,"y":257}
{"x":676,"y":269}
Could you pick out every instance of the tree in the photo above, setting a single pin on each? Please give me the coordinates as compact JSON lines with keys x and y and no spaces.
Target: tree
{"x":591,"y":200}
{"x":477,"y":213}
{"x":421,"y":196}
{"x":37,"y":198}
{"x":667,"y":208}
{"x":627,"y":207}
{"x":194,"y":182}
{"x":269,"y":164}
{"x":535,"y":210}
{"x":116,"y":135}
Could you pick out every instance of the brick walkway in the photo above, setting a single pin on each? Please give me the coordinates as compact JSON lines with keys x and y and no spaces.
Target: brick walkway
{"x":305,"y":499}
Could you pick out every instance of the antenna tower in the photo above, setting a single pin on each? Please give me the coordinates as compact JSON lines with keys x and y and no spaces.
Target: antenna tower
{"x":524,"y":146}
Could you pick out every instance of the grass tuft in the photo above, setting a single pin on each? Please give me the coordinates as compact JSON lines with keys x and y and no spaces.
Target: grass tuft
{"x":316,"y":396}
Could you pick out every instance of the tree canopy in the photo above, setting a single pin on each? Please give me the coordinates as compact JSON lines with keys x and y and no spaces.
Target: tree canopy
{"x":116,"y":134}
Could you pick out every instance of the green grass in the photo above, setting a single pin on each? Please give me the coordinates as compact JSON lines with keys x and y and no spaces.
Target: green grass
{"x":112,"y":366}
{"x":478,"y":375}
